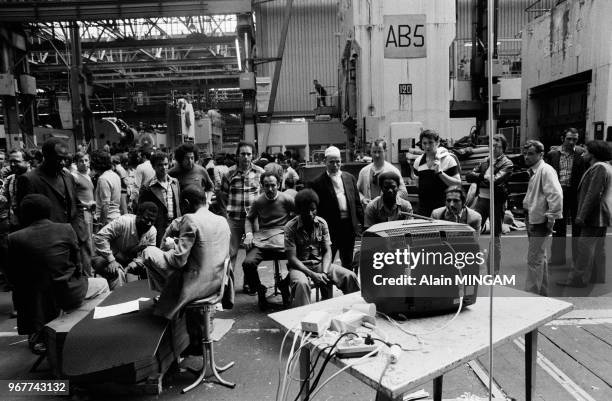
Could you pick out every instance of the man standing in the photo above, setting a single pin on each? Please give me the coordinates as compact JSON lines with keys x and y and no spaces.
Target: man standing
{"x":456,"y":211}
{"x":119,"y":244}
{"x":309,"y":256}
{"x":87,"y":205}
{"x":194,"y":268}
{"x":436,"y":170}
{"x":144,"y":173}
{"x":241,"y":185}
{"x":271,"y":211}
{"x":388,"y":206}
{"x":568,"y":163}
{"x":594,"y":216}
{"x":19,"y":164}
{"x":163,"y":192}
{"x":339,"y":206}
{"x":482,"y":175}
{"x":367,"y":182}
{"x":51,"y":180}
{"x":187,"y":171}
{"x":108,"y":189}
{"x":543,"y":203}
{"x":321,"y":94}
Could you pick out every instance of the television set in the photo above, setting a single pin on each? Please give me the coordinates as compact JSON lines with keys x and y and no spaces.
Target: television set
{"x":400,"y":283}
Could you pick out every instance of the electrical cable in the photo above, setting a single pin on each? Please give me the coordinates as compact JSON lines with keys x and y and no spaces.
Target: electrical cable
{"x":280,"y":358}
{"x":328,"y":357}
{"x":358,"y":361}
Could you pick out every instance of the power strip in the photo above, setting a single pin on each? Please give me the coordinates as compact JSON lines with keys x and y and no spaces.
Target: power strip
{"x":354,"y":349}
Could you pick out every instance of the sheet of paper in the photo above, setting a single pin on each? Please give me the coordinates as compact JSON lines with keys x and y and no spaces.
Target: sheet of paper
{"x":102,"y":312}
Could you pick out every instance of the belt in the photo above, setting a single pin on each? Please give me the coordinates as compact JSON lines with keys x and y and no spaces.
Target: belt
{"x":89,"y":208}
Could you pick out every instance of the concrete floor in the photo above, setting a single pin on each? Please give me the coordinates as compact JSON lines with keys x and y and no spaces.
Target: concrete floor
{"x":253,"y":343}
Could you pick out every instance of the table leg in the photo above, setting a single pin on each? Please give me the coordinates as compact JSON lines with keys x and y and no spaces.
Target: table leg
{"x":437,"y":388}
{"x":304,"y":369}
{"x":531,"y":357}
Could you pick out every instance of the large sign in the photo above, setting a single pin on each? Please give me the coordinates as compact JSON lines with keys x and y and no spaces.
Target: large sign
{"x":404,"y":36}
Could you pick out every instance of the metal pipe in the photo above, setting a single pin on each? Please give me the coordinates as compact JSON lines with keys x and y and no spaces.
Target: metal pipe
{"x":490,"y":48}
{"x":238,"y":54}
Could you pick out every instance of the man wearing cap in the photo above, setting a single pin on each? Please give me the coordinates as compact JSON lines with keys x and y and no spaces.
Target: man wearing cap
{"x":339,"y":205}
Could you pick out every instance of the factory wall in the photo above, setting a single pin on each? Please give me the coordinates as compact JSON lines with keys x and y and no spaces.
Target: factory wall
{"x":572,"y":41}
{"x":311,"y":50}
{"x":378,"y":78}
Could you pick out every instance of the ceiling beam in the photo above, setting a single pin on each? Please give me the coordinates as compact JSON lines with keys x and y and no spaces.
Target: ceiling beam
{"x":85,"y":10}
{"x":212,"y":61}
{"x":169,"y":78}
{"x":144,"y":43}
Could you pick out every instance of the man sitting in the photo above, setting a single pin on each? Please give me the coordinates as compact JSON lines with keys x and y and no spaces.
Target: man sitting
{"x":44,"y":266}
{"x":455,"y":210}
{"x":308,"y":249}
{"x":118,"y":244}
{"x":272,"y":210}
{"x":388,"y":205}
{"x":194,"y":267}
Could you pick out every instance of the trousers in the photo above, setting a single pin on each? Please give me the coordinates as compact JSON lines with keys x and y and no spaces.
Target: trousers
{"x":300,"y":284}
{"x":537,"y":265}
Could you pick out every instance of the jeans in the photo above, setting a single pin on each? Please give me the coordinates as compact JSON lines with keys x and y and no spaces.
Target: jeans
{"x":537,"y":265}
{"x":237,"y":231}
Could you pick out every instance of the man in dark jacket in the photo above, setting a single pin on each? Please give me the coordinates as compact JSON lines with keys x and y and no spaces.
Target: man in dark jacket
{"x":163,"y":192}
{"x":339,"y":206}
{"x":45,"y":268}
{"x":594,"y":216}
{"x":569,"y":165}
{"x":57,"y":184}
{"x":481,"y":175}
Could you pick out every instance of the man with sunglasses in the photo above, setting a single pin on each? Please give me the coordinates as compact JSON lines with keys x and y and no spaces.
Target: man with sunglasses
{"x":570,"y":166}
{"x":456,"y":211}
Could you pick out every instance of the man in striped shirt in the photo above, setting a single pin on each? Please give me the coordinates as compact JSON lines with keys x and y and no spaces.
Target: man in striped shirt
{"x":242,"y":186}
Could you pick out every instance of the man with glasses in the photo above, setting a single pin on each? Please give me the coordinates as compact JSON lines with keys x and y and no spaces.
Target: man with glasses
{"x":367,"y":182}
{"x":271,"y":211}
{"x":339,"y":206}
{"x":456,"y":211}
{"x":241,"y":186}
{"x":543,"y":203}
{"x":482,"y":175}
{"x":568,"y":163}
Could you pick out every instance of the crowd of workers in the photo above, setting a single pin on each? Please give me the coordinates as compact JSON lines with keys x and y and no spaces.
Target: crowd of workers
{"x":76,"y":227}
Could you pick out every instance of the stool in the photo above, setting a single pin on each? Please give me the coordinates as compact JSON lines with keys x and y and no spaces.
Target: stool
{"x":205,"y":309}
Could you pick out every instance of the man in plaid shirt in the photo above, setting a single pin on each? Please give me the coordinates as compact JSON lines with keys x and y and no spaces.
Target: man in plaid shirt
{"x":242,"y":186}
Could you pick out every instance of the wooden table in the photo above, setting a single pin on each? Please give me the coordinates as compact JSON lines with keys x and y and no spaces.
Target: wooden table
{"x":466,"y":338}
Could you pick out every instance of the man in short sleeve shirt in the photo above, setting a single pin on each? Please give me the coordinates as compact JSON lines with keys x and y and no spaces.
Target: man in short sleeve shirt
{"x":308,"y":249}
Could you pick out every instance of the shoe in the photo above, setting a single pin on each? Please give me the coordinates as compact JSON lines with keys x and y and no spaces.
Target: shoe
{"x":248,"y":290}
{"x":261,"y":297}
{"x":571,"y":283}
